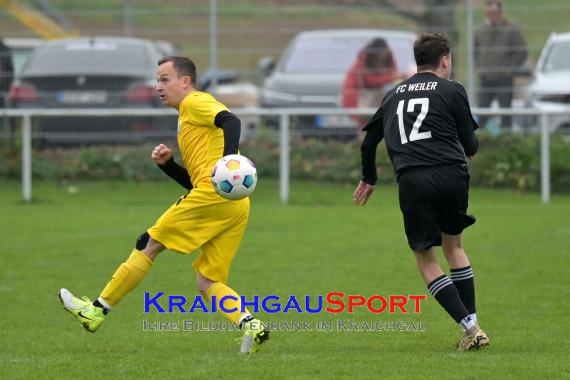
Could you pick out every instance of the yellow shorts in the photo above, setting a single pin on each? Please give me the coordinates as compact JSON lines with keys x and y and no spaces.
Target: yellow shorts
{"x":202,"y":219}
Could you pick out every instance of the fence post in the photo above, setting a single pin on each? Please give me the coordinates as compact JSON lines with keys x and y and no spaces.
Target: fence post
{"x":544,"y":158}
{"x":27,"y":157}
{"x":284,"y":157}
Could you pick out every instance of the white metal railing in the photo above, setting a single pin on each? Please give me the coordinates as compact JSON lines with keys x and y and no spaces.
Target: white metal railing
{"x":284,"y":133}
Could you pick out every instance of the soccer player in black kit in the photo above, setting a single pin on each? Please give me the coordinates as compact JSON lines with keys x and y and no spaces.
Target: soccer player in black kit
{"x":428,"y":128}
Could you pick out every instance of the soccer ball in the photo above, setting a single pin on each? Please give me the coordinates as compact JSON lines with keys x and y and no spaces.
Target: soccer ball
{"x":234,"y":177}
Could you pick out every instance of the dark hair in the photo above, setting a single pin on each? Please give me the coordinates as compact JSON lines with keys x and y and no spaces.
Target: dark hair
{"x":376,"y":46}
{"x":183,"y":66}
{"x":429,"y":48}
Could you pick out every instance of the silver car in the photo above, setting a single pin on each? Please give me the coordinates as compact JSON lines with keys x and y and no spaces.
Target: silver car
{"x":314,"y":65}
{"x":550,"y":88}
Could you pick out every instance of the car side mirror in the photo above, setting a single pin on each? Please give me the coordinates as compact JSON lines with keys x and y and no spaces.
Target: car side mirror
{"x":266,"y":65}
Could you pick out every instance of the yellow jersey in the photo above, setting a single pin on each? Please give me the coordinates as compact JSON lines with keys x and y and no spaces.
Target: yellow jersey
{"x":201,"y":143}
{"x":202,"y":218}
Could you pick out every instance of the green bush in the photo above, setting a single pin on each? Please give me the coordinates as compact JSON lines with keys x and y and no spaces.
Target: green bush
{"x":506,"y":161}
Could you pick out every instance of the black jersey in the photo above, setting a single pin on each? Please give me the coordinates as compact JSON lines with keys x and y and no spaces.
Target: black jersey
{"x":425,"y":121}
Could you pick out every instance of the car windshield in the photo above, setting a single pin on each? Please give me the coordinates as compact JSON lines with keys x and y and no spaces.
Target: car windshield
{"x":558,"y":57}
{"x":326,"y":54}
{"x":19,"y":58}
{"x":322,"y":54}
{"x":90,"y":58}
{"x":403,"y":50}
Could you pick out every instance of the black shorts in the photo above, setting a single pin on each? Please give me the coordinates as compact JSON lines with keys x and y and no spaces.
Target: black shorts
{"x":434,"y":200}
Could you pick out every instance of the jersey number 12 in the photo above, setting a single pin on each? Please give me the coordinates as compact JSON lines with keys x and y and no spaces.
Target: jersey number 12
{"x":415,"y":134}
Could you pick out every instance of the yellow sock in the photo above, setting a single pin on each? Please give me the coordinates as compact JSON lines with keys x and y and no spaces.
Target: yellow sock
{"x":221,"y":290}
{"x":127,"y":277}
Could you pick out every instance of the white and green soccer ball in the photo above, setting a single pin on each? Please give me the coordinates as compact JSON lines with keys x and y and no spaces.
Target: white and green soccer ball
{"x":234,"y":177}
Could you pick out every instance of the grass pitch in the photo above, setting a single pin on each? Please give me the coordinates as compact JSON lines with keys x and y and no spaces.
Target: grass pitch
{"x":75,"y":237}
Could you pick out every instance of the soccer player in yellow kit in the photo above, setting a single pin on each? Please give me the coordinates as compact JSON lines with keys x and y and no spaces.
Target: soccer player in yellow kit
{"x":207,"y":130}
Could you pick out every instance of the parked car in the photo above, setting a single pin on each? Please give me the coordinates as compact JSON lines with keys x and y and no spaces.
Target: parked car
{"x":92,"y":72}
{"x":165,"y":48}
{"x":549,"y":89}
{"x":312,"y":69}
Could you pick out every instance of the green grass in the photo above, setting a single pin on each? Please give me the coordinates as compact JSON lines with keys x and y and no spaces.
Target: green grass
{"x":318,"y":244}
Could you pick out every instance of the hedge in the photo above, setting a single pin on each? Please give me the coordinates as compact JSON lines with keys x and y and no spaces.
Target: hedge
{"x":505,"y":161}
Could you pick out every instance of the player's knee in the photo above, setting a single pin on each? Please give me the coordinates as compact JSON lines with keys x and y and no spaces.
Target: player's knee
{"x":452,"y":250}
{"x":451,"y":245}
{"x":142,"y":241}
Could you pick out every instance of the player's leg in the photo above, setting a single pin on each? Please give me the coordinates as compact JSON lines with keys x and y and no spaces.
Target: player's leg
{"x":442,"y":288}
{"x":131,"y":272}
{"x":505,"y":99}
{"x":460,"y":271}
{"x":221,"y":238}
{"x":462,"y":278}
{"x":217,"y":291}
{"x":127,"y":276}
{"x":214,"y":290}
{"x":254,"y":330}
{"x":213,"y":265}
{"x":419,"y":193}
{"x":452,"y":219}
{"x":486,"y":96}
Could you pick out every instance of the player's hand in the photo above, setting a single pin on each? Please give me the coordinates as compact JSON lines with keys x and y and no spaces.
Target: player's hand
{"x":362,"y":193}
{"x":160,"y":154}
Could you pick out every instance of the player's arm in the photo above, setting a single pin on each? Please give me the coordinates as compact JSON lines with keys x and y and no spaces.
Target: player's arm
{"x":466,"y":124}
{"x":374,"y":134}
{"x":162,"y":156}
{"x":231,"y":125}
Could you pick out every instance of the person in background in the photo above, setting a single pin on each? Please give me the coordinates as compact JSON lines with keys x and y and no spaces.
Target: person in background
{"x":500,"y":51}
{"x":370,"y":76}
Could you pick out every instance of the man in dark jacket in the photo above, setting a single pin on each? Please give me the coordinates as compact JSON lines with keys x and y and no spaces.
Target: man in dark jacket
{"x":500,"y":50}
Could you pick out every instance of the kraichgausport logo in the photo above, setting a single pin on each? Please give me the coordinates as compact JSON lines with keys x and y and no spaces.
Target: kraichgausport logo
{"x":333,"y":302}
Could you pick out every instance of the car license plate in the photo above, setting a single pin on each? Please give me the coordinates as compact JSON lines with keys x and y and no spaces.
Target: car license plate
{"x":335,"y":121}
{"x":82,"y":97}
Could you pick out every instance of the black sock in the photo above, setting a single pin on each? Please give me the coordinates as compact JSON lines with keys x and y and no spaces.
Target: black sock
{"x":463,"y":280}
{"x":447,"y":295}
{"x":96,"y":303}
